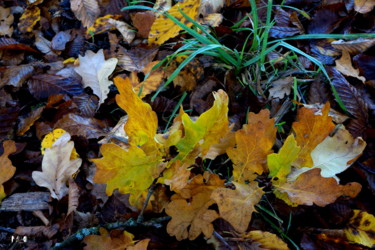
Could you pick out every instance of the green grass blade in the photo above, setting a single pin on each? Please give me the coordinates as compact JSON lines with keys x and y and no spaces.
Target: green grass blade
{"x":175,"y":111}
{"x":265,"y":33}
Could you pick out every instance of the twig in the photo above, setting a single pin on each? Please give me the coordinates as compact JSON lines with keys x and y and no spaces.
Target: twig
{"x":131,"y":223}
{"x":149,"y":193}
{"x":219,"y":237}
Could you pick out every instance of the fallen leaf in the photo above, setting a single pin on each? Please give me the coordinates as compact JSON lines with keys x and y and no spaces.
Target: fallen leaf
{"x":29,"y":19}
{"x":6,"y":21}
{"x":127,"y":31}
{"x":236,"y":206}
{"x":151,"y":83}
{"x":142,"y":122}
{"x":60,"y":39}
{"x":206,"y":131}
{"x":281,"y":87}
{"x":30,"y":201}
{"x":57,"y":167}
{"x":74,"y":194}
{"x":131,"y":170}
{"x":95,"y":71}
{"x":210,"y":6}
{"x":176,"y":176}
{"x":254,"y":143}
{"x":364,"y":6}
{"x":164,"y":28}
{"x":7,"y":170}
{"x":310,"y":130}
{"x":279,"y":164}
{"x":334,"y":155}
{"x":16,"y":75}
{"x":136,"y":59}
{"x":344,"y":65}
{"x":361,"y":229}
{"x":267,"y":240}
{"x":37,"y":231}
{"x":25,"y":124}
{"x":143,"y":21}
{"x":354,"y":46}
{"x":117,"y":240}
{"x":101,"y":25}
{"x":311,"y":188}
{"x":85,"y":10}
{"x":193,"y":217}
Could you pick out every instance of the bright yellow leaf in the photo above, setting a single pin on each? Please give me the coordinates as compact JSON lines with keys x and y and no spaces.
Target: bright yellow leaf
{"x":361,"y":229}
{"x":29,"y":19}
{"x":267,"y":240}
{"x":51,"y":138}
{"x":142,"y":123}
{"x":164,"y":28}
{"x":7,"y":170}
{"x":254,"y":143}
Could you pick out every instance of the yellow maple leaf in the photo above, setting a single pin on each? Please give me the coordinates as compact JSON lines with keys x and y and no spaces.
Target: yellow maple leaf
{"x":131,"y":170}
{"x":360,"y":229}
{"x":254,"y":143}
{"x":189,"y":208}
{"x":142,"y":123}
{"x":164,"y":28}
{"x":236,"y":206}
{"x":7,"y":170}
{"x":310,"y":130}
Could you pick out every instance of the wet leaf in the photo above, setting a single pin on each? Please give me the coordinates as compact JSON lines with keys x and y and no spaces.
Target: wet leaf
{"x":236,"y":206}
{"x":7,"y":170}
{"x":254,"y":143}
{"x":164,"y":28}
{"x":57,"y":167}
{"x":361,"y":229}
{"x":16,"y":76}
{"x":95,"y":71}
{"x":267,"y":240}
{"x":26,"y":123}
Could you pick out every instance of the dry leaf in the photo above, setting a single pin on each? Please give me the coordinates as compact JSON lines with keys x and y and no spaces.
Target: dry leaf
{"x":254,"y":143}
{"x":86,"y":11}
{"x":281,"y":87}
{"x":267,"y":240}
{"x":361,"y":229}
{"x":7,"y":170}
{"x":6,"y":20}
{"x":73,"y":197}
{"x":236,"y":206}
{"x":25,"y":124}
{"x":364,"y":6}
{"x":311,"y":188}
{"x":95,"y":71}
{"x":57,"y":167}
{"x":164,"y":28}
{"x":345,"y":66}
{"x":356,"y":46}
{"x":210,"y":6}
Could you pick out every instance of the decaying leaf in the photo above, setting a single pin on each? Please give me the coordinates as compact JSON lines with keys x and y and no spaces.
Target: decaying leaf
{"x":6,"y":21}
{"x":73,"y":196}
{"x":164,"y":28}
{"x":310,"y":130}
{"x":29,"y":19}
{"x":57,"y":167}
{"x":236,"y":206}
{"x":334,"y":155}
{"x":311,"y":188}
{"x":151,"y":83}
{"x":7,"y":170}
{"x":191,"y":218}
{"x":86,"y":11}
{"x":136,"y":59}
{"x":38,"y":231}
{"x":361,"y":229}
{"x":281,"y":87}
{"x":364,"y":6}
{"x":95,"y":71}
{"x":267,"y":240}
{"x":344,"y":65}
{"x":28,"y":121}
{"x":254,"y":143}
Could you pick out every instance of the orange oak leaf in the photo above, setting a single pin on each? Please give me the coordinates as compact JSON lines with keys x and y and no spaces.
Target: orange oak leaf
{"x":254,"y":143}
{"x":164,"y":28}
{"x":142,"y":123}
{"x":7,"y":170}
{"x":131,"y":171}
{"x":311,"y":188}
{"x":310,"y":130}
{"x":236,"y":206}
{"x":189,"y":208}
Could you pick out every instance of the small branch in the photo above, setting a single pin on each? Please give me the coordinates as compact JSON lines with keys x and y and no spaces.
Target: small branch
{"x":131,"y":223}
{"x":8,"y":230}
{"x":149,"y":193}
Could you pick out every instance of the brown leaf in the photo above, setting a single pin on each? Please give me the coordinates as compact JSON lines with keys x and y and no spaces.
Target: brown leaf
{"x":25,"y":124}
{"x":137,"y":58}
{"x":73,"y":197}
{"x":82,"y":126}
{"x":311,"y":188}
{"x":38,"y":231}
{"x":116,"y":240}
{"x":6,"y":21}
{"x":236,"y":206}
{"x":354,"y":46}
{"x":143,"y":21}
{"x":16,"y":76}
{"x":344,"y":65}
{"x":281,"y":87}
{"x":364,"y":6}
{"x":86,"y":11}
{"x":11,"y":44}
